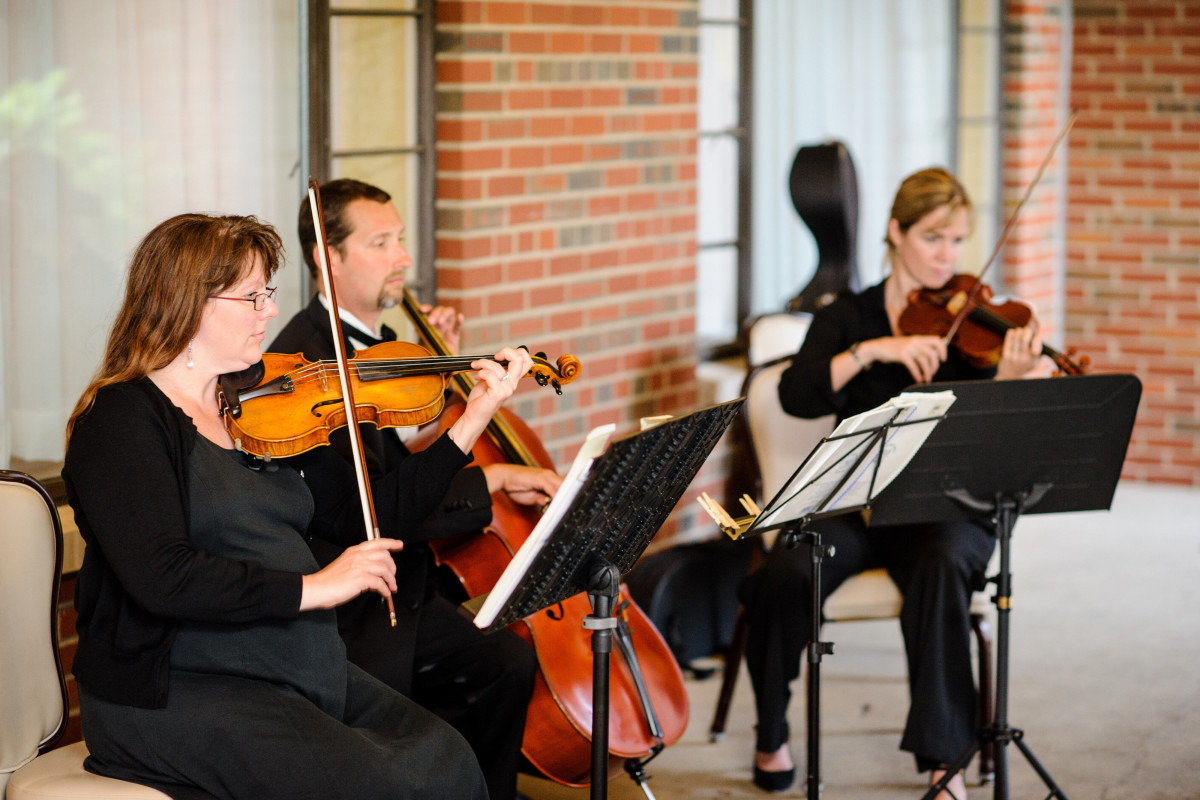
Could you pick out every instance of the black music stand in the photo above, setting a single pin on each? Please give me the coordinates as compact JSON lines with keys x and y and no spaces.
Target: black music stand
{"x":844,"y":473}
{"x":1007,"y":448}
{"x":598,"y":526}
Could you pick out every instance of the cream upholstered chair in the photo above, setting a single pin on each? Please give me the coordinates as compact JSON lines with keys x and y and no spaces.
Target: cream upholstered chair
{"x":779,"y":442}
{"x":33,"y":694}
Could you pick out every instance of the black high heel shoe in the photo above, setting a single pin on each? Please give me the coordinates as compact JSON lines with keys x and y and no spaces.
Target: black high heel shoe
{"x":774,"y":780}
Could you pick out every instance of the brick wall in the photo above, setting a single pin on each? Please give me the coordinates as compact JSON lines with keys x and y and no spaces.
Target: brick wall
{"x":566,"y":199}
{"x":1133,"y":267}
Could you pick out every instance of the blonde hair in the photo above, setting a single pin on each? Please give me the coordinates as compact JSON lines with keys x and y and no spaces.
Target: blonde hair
{"x":176,"y":268}
{"x":921,"y":194}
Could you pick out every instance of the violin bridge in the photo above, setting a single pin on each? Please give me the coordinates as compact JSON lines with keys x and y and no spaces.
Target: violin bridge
{"x":956,"y":302}
{"x":324,"y":379}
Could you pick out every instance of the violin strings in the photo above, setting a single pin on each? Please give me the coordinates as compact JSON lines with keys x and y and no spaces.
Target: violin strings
{"x":388,"y":367}
{"x":398,"y":367}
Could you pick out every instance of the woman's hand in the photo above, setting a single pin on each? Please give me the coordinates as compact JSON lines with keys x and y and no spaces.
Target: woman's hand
{"x":922,"y":355}
{"x":527,"y":486}
{"x":1020,"y":352}
{"x":365,"y":567}
{"x":495,"y":382}
{"x":446,"y":321}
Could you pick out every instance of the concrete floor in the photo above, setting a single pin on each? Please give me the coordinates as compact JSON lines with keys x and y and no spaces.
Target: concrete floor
{"x":1105,"y":676}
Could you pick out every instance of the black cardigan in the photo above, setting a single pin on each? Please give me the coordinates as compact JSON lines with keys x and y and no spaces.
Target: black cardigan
{"x":125,"y":476}
{"x":806,"y":386}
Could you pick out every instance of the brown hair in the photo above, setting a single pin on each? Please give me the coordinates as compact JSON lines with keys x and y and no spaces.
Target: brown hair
{"x":335,"y":197}
{"x":175,"y":270}
{"x":924,"y":192}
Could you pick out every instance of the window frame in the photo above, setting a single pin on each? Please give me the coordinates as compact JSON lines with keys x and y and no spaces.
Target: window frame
{"x":742,"y":135}
{"x":318,"y":103}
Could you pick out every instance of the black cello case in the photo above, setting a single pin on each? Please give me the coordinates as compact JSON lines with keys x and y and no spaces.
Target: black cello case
{"x":824,"y":190}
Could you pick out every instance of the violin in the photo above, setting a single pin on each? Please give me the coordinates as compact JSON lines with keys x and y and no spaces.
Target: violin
{"x":289,"y":405}
{"x":648,"y":705}
{"x":962,"y":310}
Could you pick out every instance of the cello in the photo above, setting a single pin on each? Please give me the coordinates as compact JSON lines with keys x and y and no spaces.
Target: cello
{"x":648,"y":704}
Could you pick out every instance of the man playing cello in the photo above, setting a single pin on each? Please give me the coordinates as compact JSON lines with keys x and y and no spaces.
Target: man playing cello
{"x":435,"y":655}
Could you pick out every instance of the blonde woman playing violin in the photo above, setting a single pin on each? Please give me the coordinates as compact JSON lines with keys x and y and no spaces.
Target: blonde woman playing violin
{"x":854,"y":358}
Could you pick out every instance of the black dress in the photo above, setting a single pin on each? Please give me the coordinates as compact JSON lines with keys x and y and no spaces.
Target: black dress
{"x":271,"y":708}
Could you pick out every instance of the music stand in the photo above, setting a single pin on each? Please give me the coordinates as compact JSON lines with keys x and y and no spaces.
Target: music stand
{"x":599,"y":523}
{"x":1007,"y":448}
{"x":844,"y":473}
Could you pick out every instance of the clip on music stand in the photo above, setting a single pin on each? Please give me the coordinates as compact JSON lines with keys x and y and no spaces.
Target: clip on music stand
{"x":844,"y":473}
{"x":1007,"y":448}
{"x":597,"y":526}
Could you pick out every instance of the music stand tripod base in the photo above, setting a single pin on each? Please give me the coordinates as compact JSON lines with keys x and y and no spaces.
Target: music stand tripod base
{"x":1004,"y":512}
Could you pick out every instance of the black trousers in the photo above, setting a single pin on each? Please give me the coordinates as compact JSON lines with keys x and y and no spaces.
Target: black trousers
{"x":933,"y":566}
{"x":235,"y":738}
{"x":479,"y":683}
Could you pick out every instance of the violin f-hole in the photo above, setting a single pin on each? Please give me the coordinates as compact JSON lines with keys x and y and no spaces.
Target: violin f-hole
{"x":334,"y":402}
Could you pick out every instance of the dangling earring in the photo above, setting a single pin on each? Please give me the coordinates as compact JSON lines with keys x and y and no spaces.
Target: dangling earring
{"x":190,"y":363}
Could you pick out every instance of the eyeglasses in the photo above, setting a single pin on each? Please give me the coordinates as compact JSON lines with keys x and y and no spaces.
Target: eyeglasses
{"x":259,"y":299}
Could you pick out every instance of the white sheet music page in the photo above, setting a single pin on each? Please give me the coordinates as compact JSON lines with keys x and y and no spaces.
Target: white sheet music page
{"x":826,"y":484}
{"x":515,"y":572}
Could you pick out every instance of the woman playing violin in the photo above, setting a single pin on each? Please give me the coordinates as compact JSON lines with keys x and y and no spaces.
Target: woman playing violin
{"x":854,"y":357}
{"x":209,"y":662}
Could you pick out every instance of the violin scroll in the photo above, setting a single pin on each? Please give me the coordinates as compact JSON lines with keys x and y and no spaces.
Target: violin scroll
{"x":566,"y":370}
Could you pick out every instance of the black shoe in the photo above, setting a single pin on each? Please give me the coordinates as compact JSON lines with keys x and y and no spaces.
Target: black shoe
{"x":774,"y":781}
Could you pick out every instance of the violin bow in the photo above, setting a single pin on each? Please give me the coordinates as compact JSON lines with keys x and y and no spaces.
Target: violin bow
{"x":343,"y":367}
{"x":1008,"y":226}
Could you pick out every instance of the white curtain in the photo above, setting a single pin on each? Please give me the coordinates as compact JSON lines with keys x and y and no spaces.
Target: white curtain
{"x":873,"y":74}
{"x":115,"y":115}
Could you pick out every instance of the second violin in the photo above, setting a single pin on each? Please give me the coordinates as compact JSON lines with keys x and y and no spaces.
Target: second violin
{"x":962,"y":310}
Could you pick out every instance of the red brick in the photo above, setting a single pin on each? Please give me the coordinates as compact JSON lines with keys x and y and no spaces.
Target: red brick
{"x":527,"y":42}
{"x":505,"y":187}
{"x":458,"y":130}
{"x":548,"y":13}
{"x":525,"y":99}
{"x":503,"y":302}
{"x":526,"y":157}
{"x":501,"y":13}
{"x":464,"y":71}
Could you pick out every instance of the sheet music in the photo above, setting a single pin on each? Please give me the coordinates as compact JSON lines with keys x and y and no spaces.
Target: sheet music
{"x":592,"y":448}
{"x":855,"y":438}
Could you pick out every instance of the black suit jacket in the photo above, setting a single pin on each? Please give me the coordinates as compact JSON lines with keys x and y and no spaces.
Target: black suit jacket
{"x":418,"y":497}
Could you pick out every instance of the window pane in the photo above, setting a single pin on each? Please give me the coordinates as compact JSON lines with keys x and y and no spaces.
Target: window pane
{"x":717,"y":173}
{"x":397,"y":175}
{"x":716,"y":294}
{"x":719,"y":76}
{"x":718,"y":9}
{"x":114,"y":117}
{"x":372,"y":63}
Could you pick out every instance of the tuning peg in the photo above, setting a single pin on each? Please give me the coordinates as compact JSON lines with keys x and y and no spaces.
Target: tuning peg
{"x":557,"y":387}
